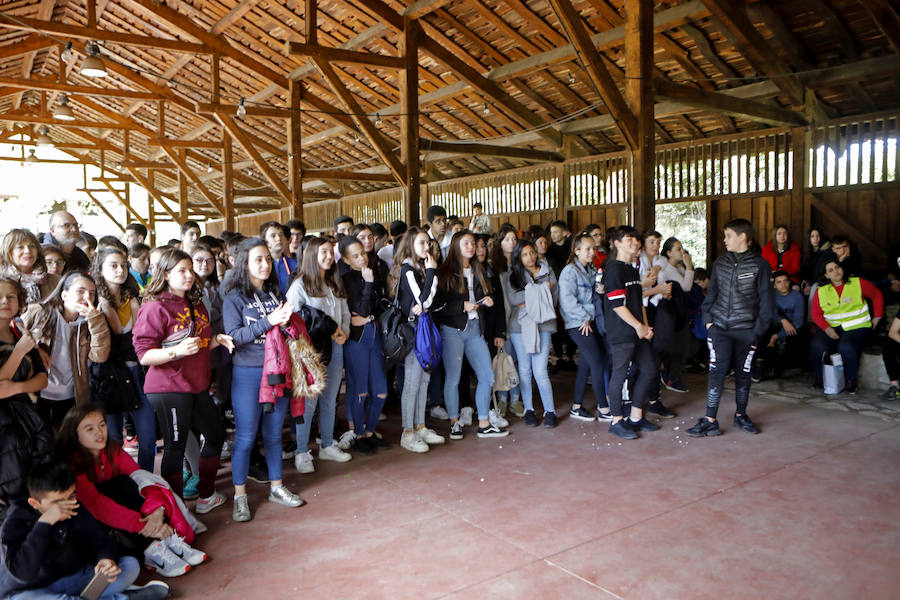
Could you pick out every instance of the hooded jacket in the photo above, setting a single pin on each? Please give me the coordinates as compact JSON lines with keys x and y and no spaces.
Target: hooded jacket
{"x":160,"y":318}
{"x":277,"y":377}
{"x":90,"y":341}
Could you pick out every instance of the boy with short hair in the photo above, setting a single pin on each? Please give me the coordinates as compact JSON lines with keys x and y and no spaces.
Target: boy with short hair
{"x":436,"y":217}
{"x":50,"y":549}
{"x":737,"y":311}
{"x":190,"y":233}
{"x":135,"y":233}
{"x":481,"y":223}
{"x":283,"y":264}
{"x":628,"y":335}
{"x":139,"y":264}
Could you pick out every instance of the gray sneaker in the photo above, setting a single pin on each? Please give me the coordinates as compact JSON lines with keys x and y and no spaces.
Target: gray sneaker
{"x":241,"y":511}
{"x":281,"y":495}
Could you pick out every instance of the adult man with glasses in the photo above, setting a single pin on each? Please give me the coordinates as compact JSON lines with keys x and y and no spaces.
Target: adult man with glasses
{"x":64,"y":233}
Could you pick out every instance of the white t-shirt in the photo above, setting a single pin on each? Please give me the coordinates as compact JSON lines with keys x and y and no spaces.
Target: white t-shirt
{"x":470,"y":283}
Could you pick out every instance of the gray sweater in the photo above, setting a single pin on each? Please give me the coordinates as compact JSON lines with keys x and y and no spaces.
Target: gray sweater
{"x":517,"y":297}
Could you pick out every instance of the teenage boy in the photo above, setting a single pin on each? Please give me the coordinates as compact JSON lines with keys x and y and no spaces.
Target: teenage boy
{"x":481,"y":223}
{"x":785,"y":342}
{"x":436,"y":217}
{"x":50,"y":549}
{"x":629,"y":335}
{"x":273,"y":233}
{"x":737,"y":311}
{"x":343,"y":225}
{"x":560,"y":246}
{"x":190,"y":233}
{"x":298,"y":231}
{"x":135,"y":233}
{"x":139,"y":263}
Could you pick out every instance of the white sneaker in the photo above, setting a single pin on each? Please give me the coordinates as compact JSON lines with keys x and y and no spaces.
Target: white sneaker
{"x":439,"y":412}
{"x":182,"y":550}
{"x":430,"y":436}
{"x":334,"y":453}
{"x":346,"y":441}
{"x":412,"y":442}
{"x":204,"y":505}
{"x":465,"y":416}
{"x":158,"y":557}
{"x":497,"y":420}
{"x":304,"y":462}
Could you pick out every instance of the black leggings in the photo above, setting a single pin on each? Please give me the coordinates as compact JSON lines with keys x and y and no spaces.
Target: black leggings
{"x":729,"y":347}
{"x":890,"y":352}
{"x":176,"y":415}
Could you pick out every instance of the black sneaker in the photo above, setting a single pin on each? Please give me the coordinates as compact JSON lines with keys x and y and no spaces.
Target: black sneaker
{"x":642,"y":425}
{"x":492,"y":431}
{"x":581,"y":413}
{"x":744,"y":422}
{"x":622,"y":430}
{"x":289,"y":450}
{"x":659,"y":409}
{"x":850,"y":388}
{"x":379,"y":442}
{"x":530,"y":419}
{"x":604,"y":416}
{"x":456,"y":431}
{"x":816,"y":384}
{"x":704,"y":428}
{"x":549,"y":420}
{"x":258,"y":473}
{"x":364,"y":445}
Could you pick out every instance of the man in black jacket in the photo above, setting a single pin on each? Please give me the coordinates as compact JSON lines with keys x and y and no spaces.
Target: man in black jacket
{"x":738,"y":308}
{"x":51,"y":549}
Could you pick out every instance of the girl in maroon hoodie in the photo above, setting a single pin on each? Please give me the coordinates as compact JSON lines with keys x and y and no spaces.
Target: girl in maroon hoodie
{"x":173,"y":337}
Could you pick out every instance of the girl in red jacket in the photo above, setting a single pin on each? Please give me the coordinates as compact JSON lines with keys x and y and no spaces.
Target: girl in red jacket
{"x":783,"y":254}
{"x":149,"y":517}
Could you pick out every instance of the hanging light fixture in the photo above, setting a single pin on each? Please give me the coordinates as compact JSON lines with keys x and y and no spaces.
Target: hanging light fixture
{"x":377,"y":119}
{"x":485,"y":109}
{"x":208,"y":168}
{"x":92,"y":65}
{"x":31,"y":158}
{"x":66,"y":55}
{"x":62,"y":110}
{"x":571,"y":79}
{"x":241,"y":109}
{"x":43,"y":140}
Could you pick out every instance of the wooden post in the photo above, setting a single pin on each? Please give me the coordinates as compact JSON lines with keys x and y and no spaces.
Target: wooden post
{"x":214,"y":78}
{"x":182,"y":192}
{"x":294,"y":139}
{"x":151,"y":210}
{"x":639,"y":96}
{"x":228,"y":183}
{"x":799,"y":176}
{"x":409,"y":122}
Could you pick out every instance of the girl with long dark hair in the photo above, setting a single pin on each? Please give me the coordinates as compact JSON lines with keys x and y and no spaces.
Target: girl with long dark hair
{"x":118,"y":295}
{"x":173,"y":337}
{"x":317,"y":283}
{"x":253,"y":305}
{"x":463,"y":288}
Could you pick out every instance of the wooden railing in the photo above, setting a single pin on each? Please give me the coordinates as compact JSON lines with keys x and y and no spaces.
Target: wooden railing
{"x":598,"y":180}
{"x":529,"y":189}
{"x":854,"y":151}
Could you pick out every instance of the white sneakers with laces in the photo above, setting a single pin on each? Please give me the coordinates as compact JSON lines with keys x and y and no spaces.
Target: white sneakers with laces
{"x":176,"y":544}
{"x":430,"y":436}
{"x":158,"y":557}
{"x":303,"y":461}
{"x":410,"y":441}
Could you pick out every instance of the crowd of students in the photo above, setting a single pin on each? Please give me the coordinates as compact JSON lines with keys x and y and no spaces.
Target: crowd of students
{"x":107,"y":346}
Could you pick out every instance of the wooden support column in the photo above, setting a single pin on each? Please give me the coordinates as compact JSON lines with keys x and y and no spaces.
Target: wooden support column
{"x":151,"y":212}
{"x":228,"y":183}
{"x":182,"y":193}
{"x":409,"y":122}
{"x":639,"y":96}
{"x":294,"y":138}
{"x":799,"y":176}
{"x":214,"y":79}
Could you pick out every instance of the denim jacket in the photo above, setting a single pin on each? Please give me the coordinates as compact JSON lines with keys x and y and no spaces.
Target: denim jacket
{"x":576,"y":284}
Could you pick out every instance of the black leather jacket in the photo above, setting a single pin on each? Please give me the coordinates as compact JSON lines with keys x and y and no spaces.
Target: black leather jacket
{"x":741,"y":293}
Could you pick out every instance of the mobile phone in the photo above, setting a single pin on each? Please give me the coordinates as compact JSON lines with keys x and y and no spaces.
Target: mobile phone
{"x":17,"y":327}
{"x":95,"y":587}
{"x":480,"y":302}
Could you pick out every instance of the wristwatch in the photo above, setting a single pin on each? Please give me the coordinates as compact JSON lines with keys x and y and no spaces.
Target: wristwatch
{"x":172,"y":354}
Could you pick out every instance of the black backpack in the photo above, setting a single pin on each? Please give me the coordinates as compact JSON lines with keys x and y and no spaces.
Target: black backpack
{"x":398,"y":335}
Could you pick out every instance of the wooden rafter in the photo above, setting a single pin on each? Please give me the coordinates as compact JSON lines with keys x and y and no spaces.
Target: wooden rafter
{"x":489,"y":150}
{"x":729,"y":105}
{"x":244,"y":141}
{"x":186,"y":171}
{"x":339,"y":55}
{"x":52,"y":85}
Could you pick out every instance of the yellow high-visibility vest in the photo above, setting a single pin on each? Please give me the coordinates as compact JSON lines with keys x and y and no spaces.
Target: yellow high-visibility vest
{"x":849,"y":311}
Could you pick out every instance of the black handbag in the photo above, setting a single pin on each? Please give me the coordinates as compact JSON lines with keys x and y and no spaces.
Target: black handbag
{"x":398,"y":334}
{"x":112,"y":387}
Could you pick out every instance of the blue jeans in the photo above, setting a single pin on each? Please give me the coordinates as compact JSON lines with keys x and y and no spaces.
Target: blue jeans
{"x":849,"y":346}
{"x":593,"y":356}
{"x":247,"y":413}
{"x":536,"y":365}
{"x":144,"y":423}
{"x":326,"y":401}
{"x":71,"y":586}
{"x":470,"y":343}
{"x":415,"y":392}
{"x":365,"y":380}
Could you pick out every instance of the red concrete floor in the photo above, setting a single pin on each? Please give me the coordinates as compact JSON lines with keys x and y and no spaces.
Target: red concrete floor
{"x":806,"y":509}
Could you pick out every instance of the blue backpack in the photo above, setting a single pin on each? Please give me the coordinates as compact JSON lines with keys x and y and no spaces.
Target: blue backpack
{"x":429,"y":347}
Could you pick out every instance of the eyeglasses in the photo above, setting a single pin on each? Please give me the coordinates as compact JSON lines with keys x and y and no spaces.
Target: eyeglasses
{"x":205,"y":261}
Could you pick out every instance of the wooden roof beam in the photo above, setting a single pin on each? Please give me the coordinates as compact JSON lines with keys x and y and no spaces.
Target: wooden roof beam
{"x":366,"y":59}
{"x":48,"y":120}
{"x":716,"y":102}
{"x":65,"y":30}
{"x":331,"y":174}
{"x":274,"y":112}
{"x":489,"y":150}
{"x":157,"y":143}
{"x":241,"y":137}
{"x":185,"y":170}
{"x":886,"y":18}
{"x":151,"y":189}
{"x":577,"y":32}
{"x":84,"y":90}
